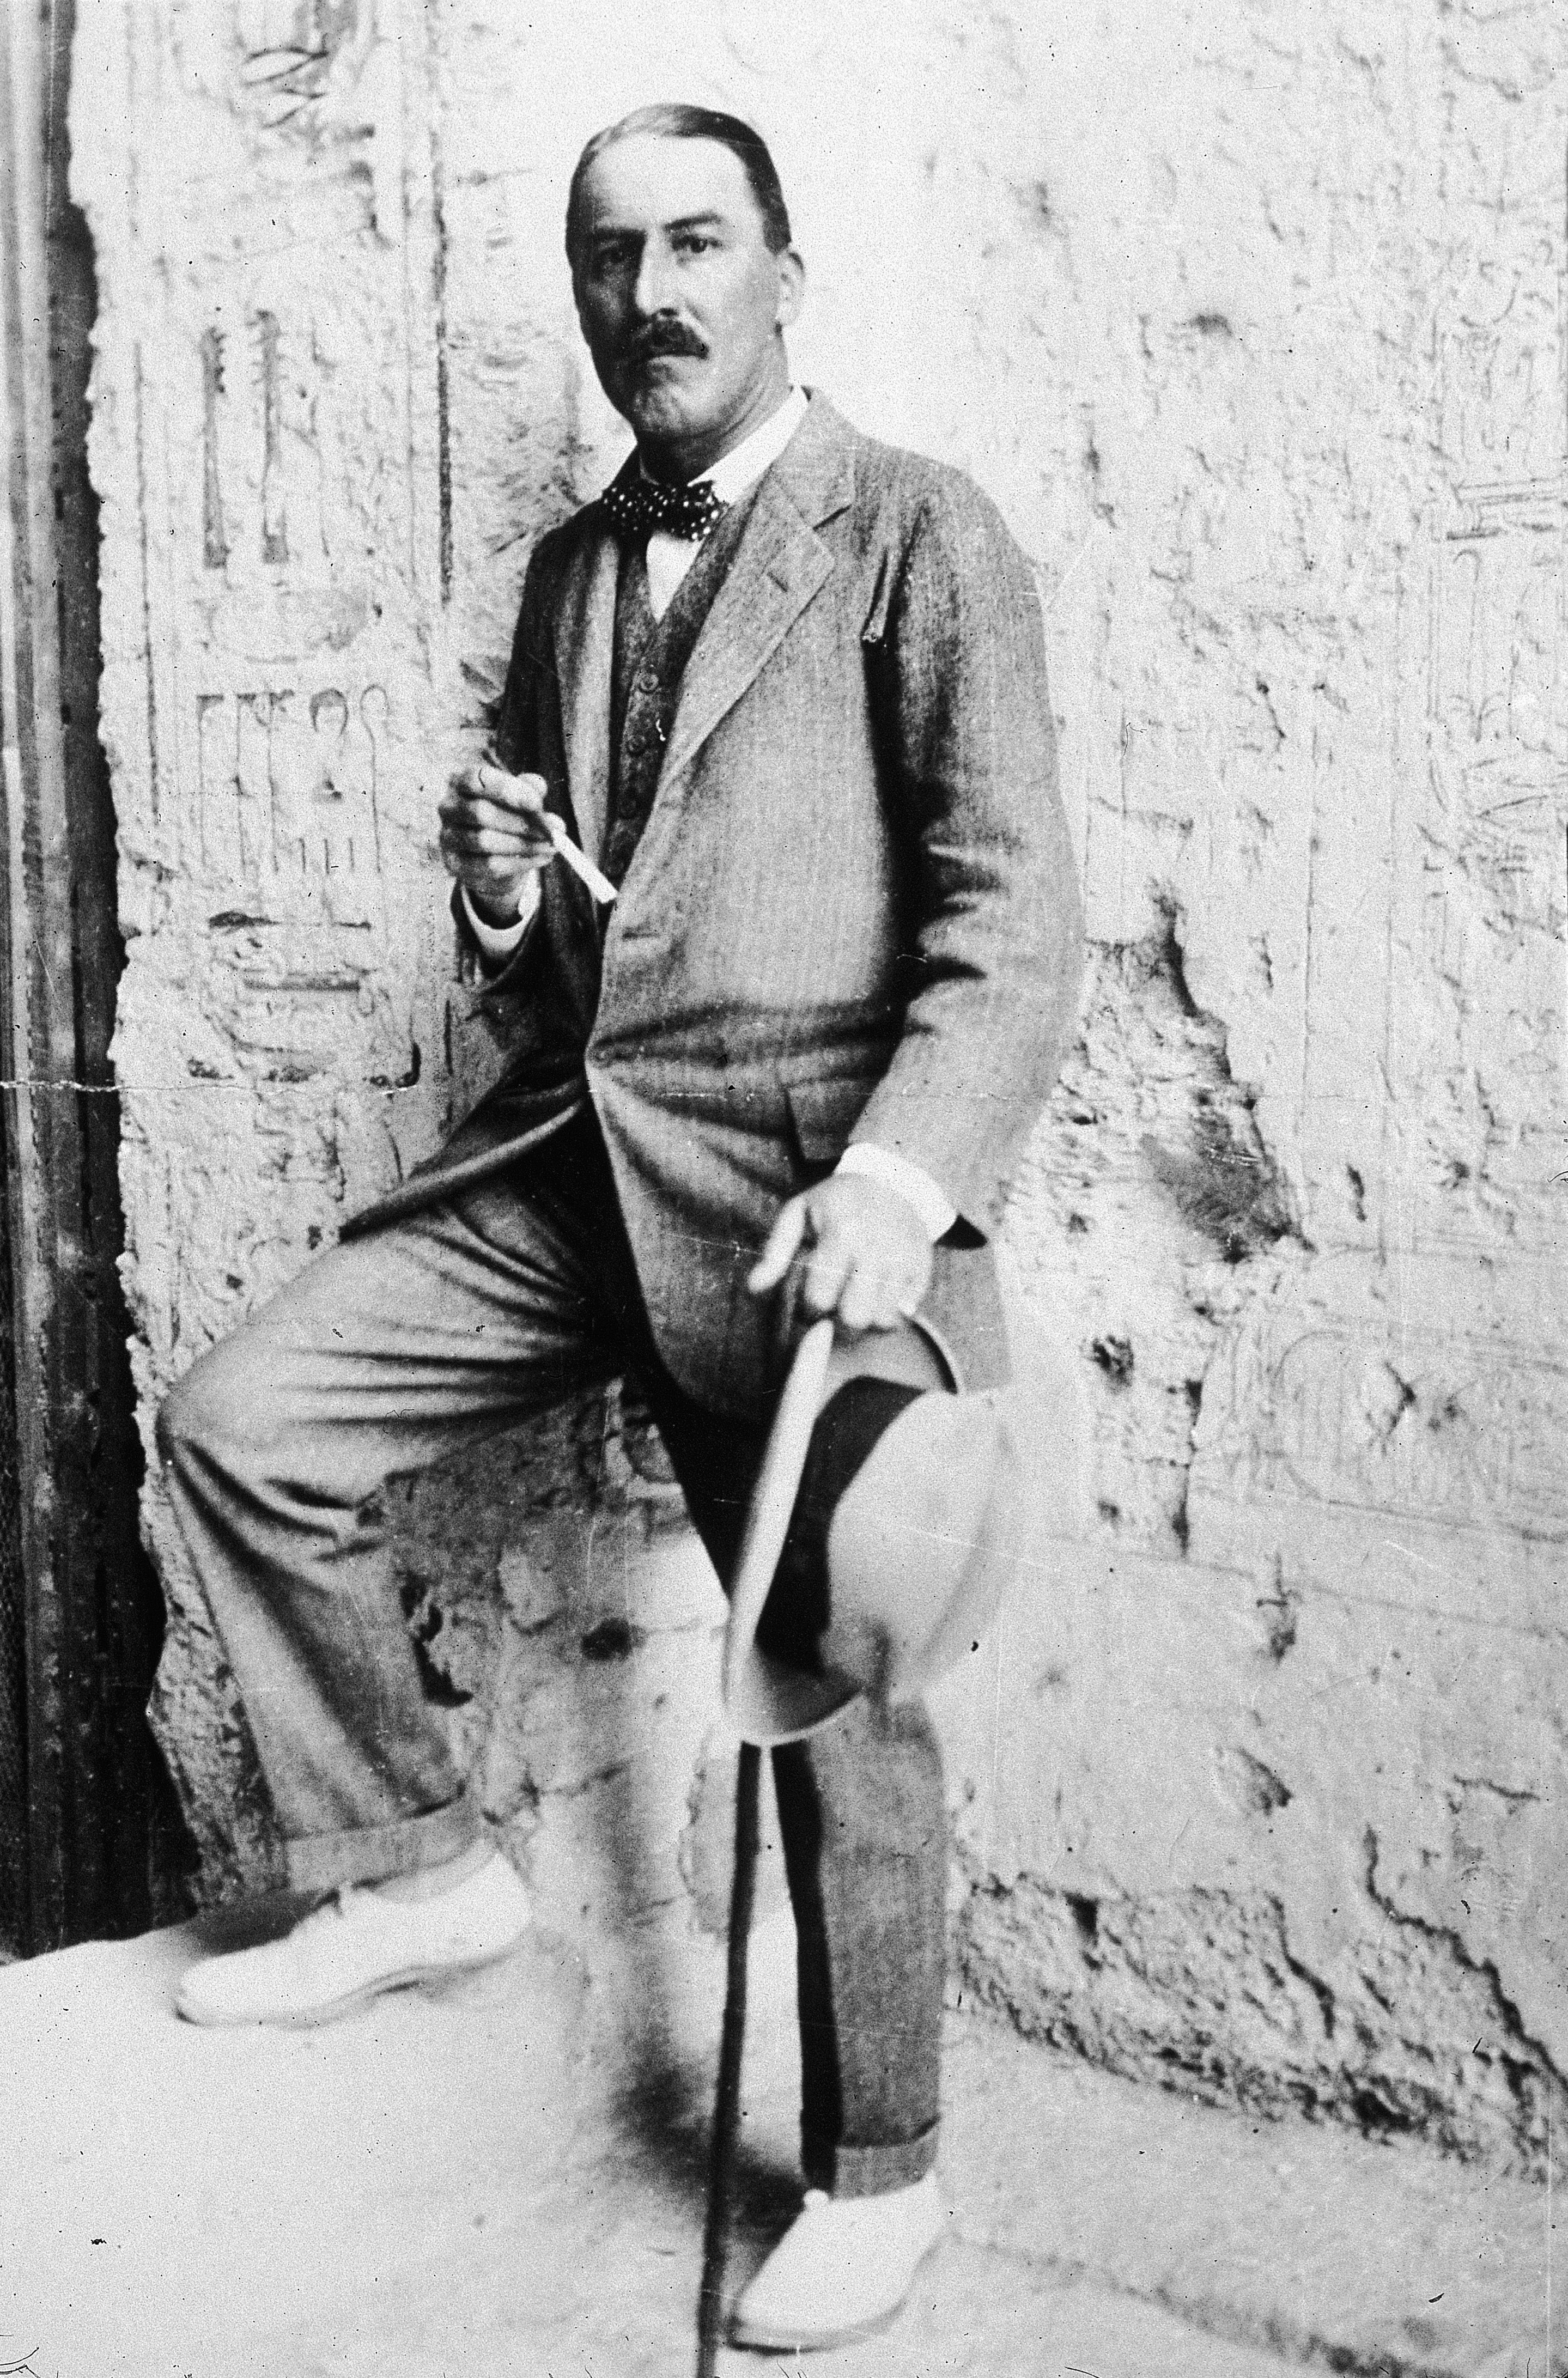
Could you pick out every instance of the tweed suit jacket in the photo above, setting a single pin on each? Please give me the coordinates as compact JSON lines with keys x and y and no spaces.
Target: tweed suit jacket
{"x":852,"y":913}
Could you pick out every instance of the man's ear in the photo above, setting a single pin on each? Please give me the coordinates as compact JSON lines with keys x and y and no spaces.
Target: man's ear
{"x":791,"y":287}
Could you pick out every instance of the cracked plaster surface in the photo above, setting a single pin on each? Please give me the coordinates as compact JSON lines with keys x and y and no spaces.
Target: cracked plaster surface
{"x":1254,"y":331}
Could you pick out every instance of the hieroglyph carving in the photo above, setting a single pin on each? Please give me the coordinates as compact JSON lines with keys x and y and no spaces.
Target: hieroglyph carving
{"x":288,"y":789}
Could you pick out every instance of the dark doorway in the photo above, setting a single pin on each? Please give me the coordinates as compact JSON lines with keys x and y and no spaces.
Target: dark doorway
{"x":14,"y":1828}
{"x":80,"y":1613}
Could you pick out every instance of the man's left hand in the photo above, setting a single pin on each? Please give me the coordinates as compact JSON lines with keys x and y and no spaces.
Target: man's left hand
{"x":851,"y":1247}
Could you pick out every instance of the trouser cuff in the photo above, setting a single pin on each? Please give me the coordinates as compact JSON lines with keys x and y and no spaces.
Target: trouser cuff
{"x":867,"y":2171}
{"x":376,"y":1853}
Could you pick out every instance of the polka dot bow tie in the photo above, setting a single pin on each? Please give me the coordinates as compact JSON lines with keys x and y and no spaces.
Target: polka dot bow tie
{"x":636,"y":507}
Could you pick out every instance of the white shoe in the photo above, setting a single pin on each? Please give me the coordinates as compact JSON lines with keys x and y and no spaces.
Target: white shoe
{"x":841,"y":2271}
{"x":356,"y":1945}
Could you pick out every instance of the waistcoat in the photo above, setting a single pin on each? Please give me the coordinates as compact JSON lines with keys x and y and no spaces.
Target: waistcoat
{"x":650,"y":657}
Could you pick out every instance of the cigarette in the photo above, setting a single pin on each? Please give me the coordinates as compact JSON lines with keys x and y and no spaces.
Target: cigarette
{"x":581,"y":865}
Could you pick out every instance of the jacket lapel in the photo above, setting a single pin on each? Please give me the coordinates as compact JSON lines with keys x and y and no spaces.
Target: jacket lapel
{"x":585,"y":647}
{"x":779,"y":564}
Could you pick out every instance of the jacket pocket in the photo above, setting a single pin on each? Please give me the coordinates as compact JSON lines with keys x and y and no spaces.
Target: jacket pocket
{"x":822,"y":1116}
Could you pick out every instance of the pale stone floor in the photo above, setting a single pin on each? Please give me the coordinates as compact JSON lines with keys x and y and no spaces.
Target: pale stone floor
{"x":467,"y":2186}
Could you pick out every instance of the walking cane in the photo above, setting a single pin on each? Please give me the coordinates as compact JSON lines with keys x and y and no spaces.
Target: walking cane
{"x":726,"y":2102}
{"x":766,"y":1527}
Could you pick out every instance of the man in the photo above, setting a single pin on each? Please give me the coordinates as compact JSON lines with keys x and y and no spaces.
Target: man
{"x":784,"y":688}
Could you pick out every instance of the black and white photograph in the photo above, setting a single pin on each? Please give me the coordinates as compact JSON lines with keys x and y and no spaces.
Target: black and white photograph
{"x":783,"y":965}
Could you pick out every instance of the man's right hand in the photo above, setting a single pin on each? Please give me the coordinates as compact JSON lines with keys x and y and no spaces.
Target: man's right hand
{"x":494,"y":838}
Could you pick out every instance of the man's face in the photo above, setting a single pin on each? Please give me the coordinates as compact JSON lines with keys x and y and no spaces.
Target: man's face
{"x":679,"y":297}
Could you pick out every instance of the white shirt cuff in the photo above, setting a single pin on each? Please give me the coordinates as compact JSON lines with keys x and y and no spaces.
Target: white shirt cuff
{"x":911,"y":1181}
{"x":498,"y":943}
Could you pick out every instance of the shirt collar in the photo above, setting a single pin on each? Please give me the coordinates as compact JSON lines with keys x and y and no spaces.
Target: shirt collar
{"x":745,"y":464}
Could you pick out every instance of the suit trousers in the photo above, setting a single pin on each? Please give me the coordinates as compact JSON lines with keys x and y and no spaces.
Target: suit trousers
{"x":384,"y":1356}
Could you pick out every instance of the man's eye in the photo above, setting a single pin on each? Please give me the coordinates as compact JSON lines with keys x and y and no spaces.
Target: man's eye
{"x":695,"y":242}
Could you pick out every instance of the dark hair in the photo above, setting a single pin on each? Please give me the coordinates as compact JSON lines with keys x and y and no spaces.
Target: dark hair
{"x":679,"y":120}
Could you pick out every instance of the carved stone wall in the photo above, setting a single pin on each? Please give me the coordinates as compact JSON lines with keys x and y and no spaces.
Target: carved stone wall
{"x":1252,"y":323}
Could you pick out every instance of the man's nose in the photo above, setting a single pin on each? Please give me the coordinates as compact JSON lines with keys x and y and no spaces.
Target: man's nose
{"x":653,"y":289}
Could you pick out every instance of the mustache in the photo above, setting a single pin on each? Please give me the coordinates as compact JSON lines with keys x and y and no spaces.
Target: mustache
{"x":665,"y":336}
